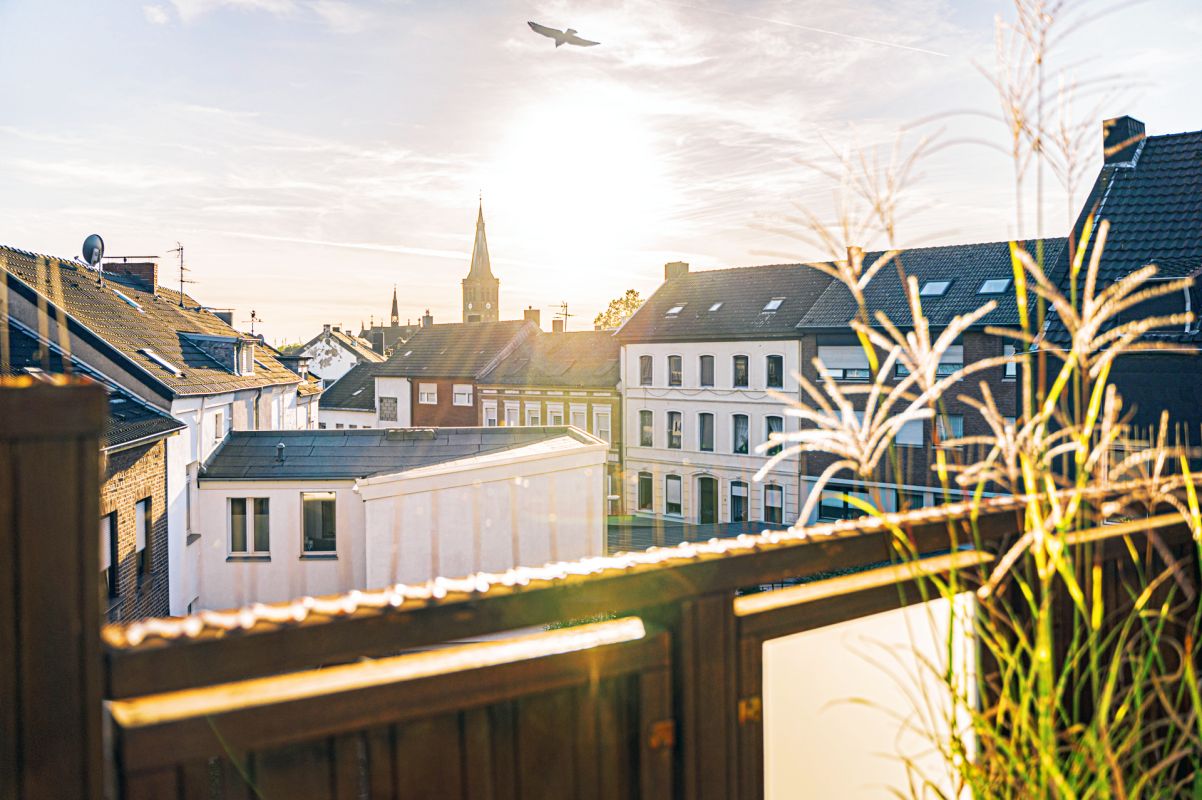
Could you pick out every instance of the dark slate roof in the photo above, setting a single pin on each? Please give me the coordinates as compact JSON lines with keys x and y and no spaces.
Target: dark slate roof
{"x":456,"y":350}
{"x":577,"y":359}
{"x":967,"y":266}
{"x":347,"y":454}
{"x":130,"y":418}
{"x":355,"y":390}
{"x":161,"y":325}
{"x":743,"y":293}
{"x":1154,"y":206}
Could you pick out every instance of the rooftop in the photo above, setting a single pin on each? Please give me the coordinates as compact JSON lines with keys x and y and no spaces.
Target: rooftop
{"x":356,"y":390}
{"x":350,"y":454}
{"x":577,"y":359}
{"x":456,"y":349}
{"x":727,"y":304}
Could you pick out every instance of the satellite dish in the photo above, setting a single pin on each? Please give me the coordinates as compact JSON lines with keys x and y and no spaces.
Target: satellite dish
{"x":93,"y":249}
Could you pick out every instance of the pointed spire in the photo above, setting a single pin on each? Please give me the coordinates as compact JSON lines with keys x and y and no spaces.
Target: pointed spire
{"x":481,"y":267}
{"x":396,"y":314}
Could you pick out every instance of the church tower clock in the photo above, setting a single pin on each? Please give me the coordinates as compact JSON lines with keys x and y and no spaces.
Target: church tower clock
{"x":480,"y":289}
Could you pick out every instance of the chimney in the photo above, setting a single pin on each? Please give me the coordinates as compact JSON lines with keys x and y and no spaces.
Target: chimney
{"x":325,"y":329}
{"x":143,"y":274}
{"x":532,"y":314}
{"x":675,"y":269}
{"x":557,"y":326}
{"x":427,"y":319}
{"x":225,"y":315}
{"x":1121,"y":138}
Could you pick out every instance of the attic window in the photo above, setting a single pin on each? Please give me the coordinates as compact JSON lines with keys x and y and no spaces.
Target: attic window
{"x":128,"y":299}
{"x":774,"y":304}
{"x":716,"y":306}
{"x":162,"y":362}
{"x":674,"y":311}
{"x":934,"y":288}
{"x":994,"y":286}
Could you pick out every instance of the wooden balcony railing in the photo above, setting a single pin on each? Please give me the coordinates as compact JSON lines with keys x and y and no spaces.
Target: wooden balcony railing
{"x":476,"y":687}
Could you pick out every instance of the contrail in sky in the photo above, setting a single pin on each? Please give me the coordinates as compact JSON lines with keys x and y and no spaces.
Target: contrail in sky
{"x":812,"y":29}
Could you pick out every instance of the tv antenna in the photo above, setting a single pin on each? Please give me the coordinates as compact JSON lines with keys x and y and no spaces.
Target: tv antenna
{"x":179,"y":248}
{"x":254,"y":319}
{"x":562,"y":313}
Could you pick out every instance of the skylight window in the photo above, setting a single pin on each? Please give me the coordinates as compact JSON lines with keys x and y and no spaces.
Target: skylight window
{"x":128,"y":299}
{"x":356,"y":392}
{"x":716,"y":306}
{"x":774,"y":304}
{"x":994,"y":286}
{"x":674,"y":311}
{"x":934,"y":288}
{"x":162,"y":362}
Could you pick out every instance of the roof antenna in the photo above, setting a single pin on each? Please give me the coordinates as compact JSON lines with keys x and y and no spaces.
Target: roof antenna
{"x":179,"y":248}
{"x":562,"y":313}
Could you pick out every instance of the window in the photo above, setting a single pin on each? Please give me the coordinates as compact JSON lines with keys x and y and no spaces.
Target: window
{"x":646,"y":428}
{"x":705,"y":432}
{"x":738,"y":501}
{"x":740,"y":378}
{"x":739,"y":435}
{"x":250,"y":536}
{"x":773,"y":425}
{"x":388,"y":409}
{"x":773,"y":304}
{"x":951,"y":426}
{"x":1011,"y":368}
{"x":646,"y":370}
{"x":674,"y":371}
{"x":644,"y":491}
{"x":579,"y":418}
{"x":246,"y":358}
{"x":707,"y":370}
{"x":672,"y":495}
{"x":108,"y":553}
{"x":950,"y":363}
{"x":142,"y":523}
{"x":490,"y":415}
{"x":320,"y":532}
{"x":910,"y":433}
{"x":716,"y":306}
{"x":835,"y":505}
{"x":774,"y":504}
{"x":674,"y":311}
{"x":218,"y":426}
{"x":994,"y":286}
{"x":532,"y":414}
{"x":321,"y":426}
{"x":427,"y":394}
{"x":934,"y":288}
{"x":845,"y":362}
{"x":776,"y":372}
{"x":601,"y":424}
{"x":674,"y":430}
{"x":339,"y":425}
{"x":511,"y":414}
{"x":555,"y":415}
{"x":461,"y":394}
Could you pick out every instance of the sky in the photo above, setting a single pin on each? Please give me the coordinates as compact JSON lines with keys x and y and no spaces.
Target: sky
{"x":311,"y":154}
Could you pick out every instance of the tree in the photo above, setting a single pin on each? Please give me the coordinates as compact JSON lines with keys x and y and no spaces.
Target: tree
{"x":619,"y":310}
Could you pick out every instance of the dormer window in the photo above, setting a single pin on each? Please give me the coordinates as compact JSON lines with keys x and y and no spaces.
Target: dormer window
{"x":773,"y":304}
{"x":994,"y":286}
{"x":674,"y":311}
{"x":246,"y":358}
{"x":934,"y":289}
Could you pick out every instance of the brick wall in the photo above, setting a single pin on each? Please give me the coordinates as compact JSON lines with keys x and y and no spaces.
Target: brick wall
{"x":445,"y":413}
{"x":129,"y":476}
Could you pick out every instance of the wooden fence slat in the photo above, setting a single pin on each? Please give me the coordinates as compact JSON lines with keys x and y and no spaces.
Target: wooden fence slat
{"x":657,"y":735}
{"x":504,"y":750}
{"x":587,"y":756}
{"x":478,"y":767}
{"x":161,"y":784}
{"x":380,"y":768}
{"x":303,"y":770}
{"x":349,"y":767}
{"x":616,"y":738}
{"x":428,"y":759}
{"x":545,"y":746}
{"x":196,"y":779}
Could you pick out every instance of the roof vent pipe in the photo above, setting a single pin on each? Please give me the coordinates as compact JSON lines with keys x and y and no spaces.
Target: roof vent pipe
{"x":279,"y":452}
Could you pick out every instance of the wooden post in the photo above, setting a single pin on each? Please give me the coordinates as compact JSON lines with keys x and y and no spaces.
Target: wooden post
{"x":50,"y":666}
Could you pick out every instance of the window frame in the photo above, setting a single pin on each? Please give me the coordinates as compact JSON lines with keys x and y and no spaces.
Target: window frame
{"x":734,"y":371}
{"x":702,"y":362}
{"x":513,"y":410}
{"x":646,"y":427}
{"x":534,"y":414}
{"x":488,"y":410}
{"x":734,"y":434}
{"x":780,"y":371}
{"x":678,"y":435}
{"x":143,"y":534}
{"x":780,"y":509}
{"x":645,"y":479}
{"x":108,"y":546}
{"x":646,"y":370}
{"x":746,"y":497}
{"x":771,"y":451}
{"x":675,"y":375}
{"x":944,"y":421}
{"x":702,"y":418}
{"x":325,"y":496}
{"x":669,"y":480}
{"x":458,"y":390}
{"x":603,"y":413}
{"x":945,"y":283}
{"x":251,"y":515}
{"x":427,"y":394}
{"x":1010,"y":368}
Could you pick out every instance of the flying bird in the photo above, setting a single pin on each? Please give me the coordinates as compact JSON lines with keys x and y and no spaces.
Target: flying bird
{"x":561,"y":37}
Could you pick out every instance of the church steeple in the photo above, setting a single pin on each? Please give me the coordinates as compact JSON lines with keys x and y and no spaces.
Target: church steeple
{"x":481,"y":288}
{"x":396,"y":314}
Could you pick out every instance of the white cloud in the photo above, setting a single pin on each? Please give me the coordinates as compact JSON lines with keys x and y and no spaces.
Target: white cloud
{"x":341,"y":17}
{"x":191,"y":10}
{"x":155,"y":14}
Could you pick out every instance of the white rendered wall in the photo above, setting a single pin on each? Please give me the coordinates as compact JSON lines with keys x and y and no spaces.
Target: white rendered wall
{"x":835,"y":699}
{"x":329,"y":360}
{"x":398,"y":388}
{"x":333,"y":417}
{"x":227,"y":582}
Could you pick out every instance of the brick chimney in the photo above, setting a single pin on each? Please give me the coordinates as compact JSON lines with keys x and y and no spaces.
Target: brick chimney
{"x":1121,"y":138}
{"x":557,"y":326}
{"x":675,"y":269}
{"x":325,"y":329}
{"x":532,"y":314}
{"x":427,"y":319}
{"x":143,"y":274}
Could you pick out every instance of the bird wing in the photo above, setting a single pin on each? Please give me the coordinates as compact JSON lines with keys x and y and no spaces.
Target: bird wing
{"x":544,"y":30}
{"x":576,"y":40}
